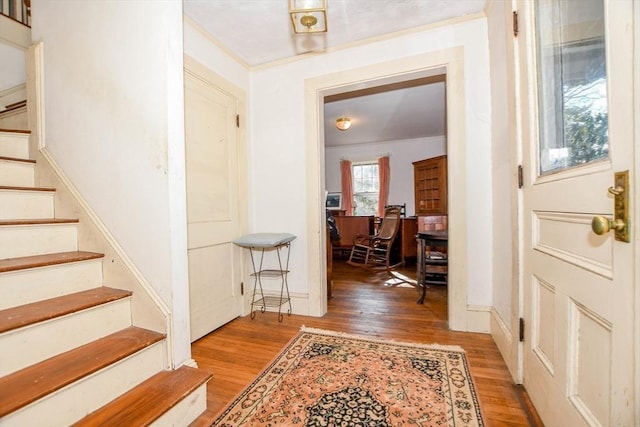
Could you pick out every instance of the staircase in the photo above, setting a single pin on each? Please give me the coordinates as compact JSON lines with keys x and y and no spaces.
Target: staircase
{"x":70,"y":354}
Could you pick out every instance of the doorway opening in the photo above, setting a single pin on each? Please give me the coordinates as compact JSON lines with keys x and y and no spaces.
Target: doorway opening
{"x":405,"y":123}
{"x":448,"y":62}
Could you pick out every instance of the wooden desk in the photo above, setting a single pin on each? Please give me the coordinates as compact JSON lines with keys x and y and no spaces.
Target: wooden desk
{"x":350,"y":227}
{"x":406,"y":244}
{"x":434,"y":240}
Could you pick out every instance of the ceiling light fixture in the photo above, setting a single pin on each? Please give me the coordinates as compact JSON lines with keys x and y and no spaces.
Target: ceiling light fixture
{"x":308,"y":16}
{"x":343,"y":123}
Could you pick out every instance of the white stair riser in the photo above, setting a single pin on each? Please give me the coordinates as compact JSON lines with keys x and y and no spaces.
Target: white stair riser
{"x":78,"y":399}
{"x":26,"y":240}
{"x":35,"y":343}
{"x":188,"y":408}
{"x":14,"y":145}
{"x":17,"y":174}
{"x":26,"y":204}
{"x":41,"y":341}
{"x":35,"y":284}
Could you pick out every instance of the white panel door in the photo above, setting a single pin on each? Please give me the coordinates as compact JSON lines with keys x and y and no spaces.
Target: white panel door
{"x":576,"y":75}
{"x":213,"y":158}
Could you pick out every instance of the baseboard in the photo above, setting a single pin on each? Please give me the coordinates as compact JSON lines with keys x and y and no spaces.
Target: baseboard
{"x":500,"y":333}
{"x":503,"y":338}
{"x":478,"y":318}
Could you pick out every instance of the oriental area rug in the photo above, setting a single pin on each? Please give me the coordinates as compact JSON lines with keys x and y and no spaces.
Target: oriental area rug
{"x":324,"y":378}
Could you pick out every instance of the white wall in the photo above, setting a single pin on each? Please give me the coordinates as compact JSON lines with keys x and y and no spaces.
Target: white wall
{"x":114,"y":124}
{"x":277,"y":145}
{"x":12,"y":66}
{"x":203,"y":49}
{"x":12,"y":71}
{"x":401,"y":155}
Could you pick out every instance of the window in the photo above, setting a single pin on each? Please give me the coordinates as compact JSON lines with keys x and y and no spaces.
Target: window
{"x":366,"y":187}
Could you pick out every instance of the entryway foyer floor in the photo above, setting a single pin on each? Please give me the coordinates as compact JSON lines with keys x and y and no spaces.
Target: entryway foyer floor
{"x":361,"y":304}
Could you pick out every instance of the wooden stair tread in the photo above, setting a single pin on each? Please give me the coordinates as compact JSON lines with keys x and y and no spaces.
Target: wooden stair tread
{"x":39,"y":221}
{"x":34,"y":261}
{"x":15,"y":130}
{"x":16,"y":104}
{"x":34,"y":382}
{"x":14,"y":188}
{"x":148,"y":401}
{"x":16,"y":159}
{"x":39,"y":311}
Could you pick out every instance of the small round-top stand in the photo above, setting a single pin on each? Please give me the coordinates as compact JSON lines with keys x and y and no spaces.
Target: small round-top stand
{"x":261,"y":243}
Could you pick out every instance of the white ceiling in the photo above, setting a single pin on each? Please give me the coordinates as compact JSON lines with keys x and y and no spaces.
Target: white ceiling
{"x":407,"y":113}
{"x":259,"y":32}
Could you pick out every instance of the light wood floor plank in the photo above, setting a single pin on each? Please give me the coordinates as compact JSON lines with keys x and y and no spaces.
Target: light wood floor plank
{"x":361,"y":304}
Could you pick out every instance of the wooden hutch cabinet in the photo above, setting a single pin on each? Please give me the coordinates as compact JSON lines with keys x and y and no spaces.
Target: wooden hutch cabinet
{"x":430,"y":180}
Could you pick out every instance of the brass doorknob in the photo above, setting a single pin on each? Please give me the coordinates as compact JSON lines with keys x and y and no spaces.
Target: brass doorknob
{"x":602,"y":225}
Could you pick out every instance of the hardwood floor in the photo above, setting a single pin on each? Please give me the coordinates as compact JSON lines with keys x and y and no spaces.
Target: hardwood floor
{"x":362,"y":304}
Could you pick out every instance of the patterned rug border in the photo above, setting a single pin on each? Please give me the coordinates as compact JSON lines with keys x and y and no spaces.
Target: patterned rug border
{"x":376,"y":339}
{"x":327,"y":332}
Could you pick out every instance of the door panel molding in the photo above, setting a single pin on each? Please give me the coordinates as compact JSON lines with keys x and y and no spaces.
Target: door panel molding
{"x":542,"y":334}
{"x":587,"y":353}
{"x":564,"y":235}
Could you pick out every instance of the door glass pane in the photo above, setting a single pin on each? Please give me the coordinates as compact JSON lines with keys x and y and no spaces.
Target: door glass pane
{"x":572,"y":83}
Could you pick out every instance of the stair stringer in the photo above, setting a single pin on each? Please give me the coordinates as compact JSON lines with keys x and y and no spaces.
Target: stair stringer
{"x":148,"y":309}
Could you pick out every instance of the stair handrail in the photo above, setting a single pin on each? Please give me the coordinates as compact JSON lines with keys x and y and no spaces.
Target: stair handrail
{"x":18,"y":10}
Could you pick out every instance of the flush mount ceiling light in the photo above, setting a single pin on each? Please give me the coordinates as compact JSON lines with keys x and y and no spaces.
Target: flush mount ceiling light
{"x":343,"y":123}
{"x":308,"y":16}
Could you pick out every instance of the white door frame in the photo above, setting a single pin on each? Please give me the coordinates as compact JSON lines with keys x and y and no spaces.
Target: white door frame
{"x":451,"y":62}
{"x":635,"y":204}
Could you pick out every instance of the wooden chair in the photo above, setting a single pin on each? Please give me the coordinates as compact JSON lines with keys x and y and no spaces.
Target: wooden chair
{"x":374,"y":251}
{"x":403,"y":208}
